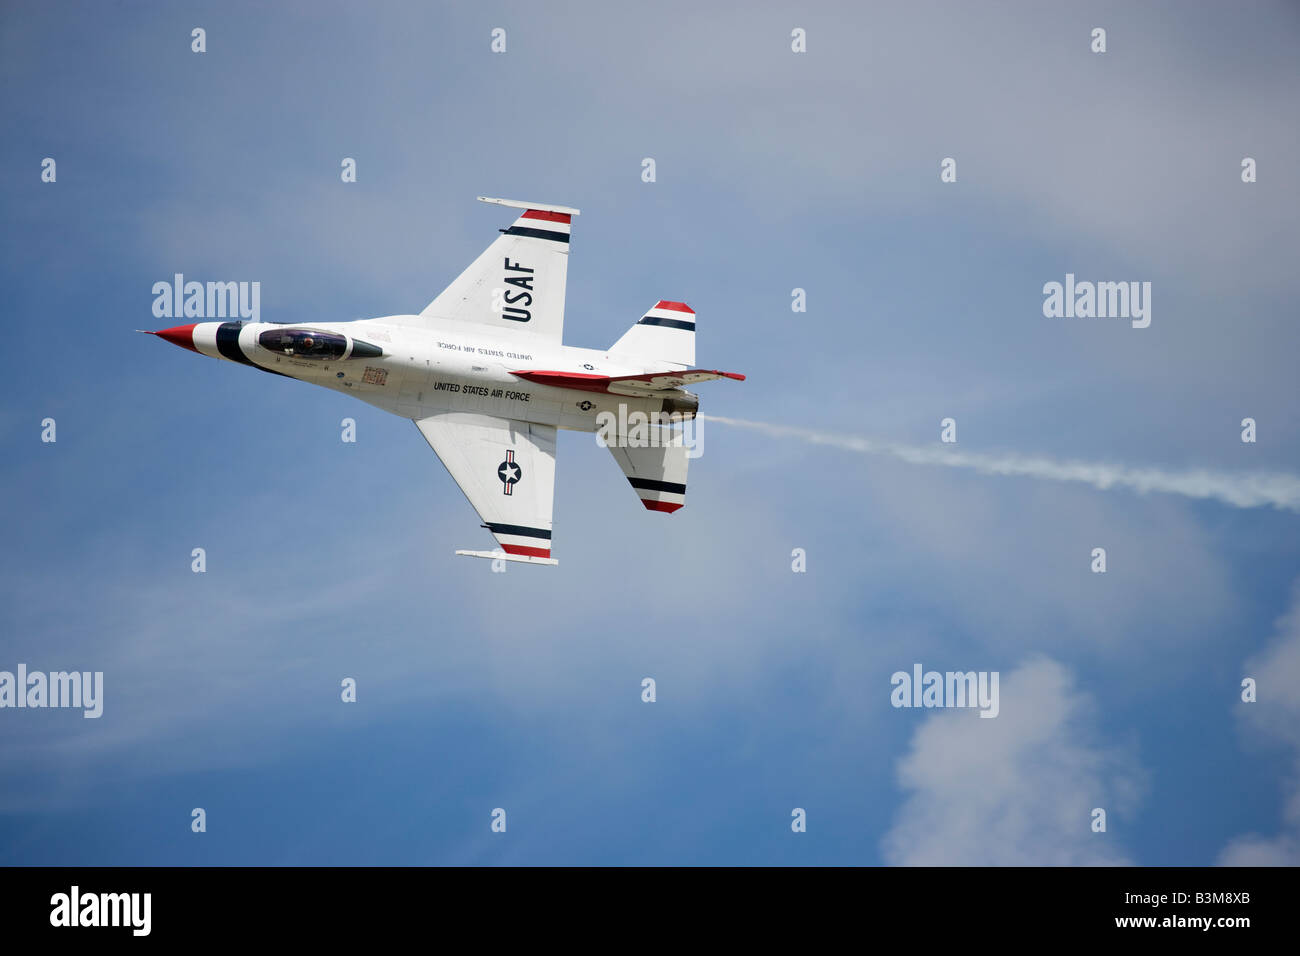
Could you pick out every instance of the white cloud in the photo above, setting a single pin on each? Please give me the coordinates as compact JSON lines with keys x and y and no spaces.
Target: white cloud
{"x":1017,"y":790}
{"x":1273,"y":718}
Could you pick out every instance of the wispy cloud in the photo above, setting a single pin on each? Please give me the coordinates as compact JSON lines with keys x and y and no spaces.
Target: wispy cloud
{"x":1018,"y":790}
{"x":1275,"y":718}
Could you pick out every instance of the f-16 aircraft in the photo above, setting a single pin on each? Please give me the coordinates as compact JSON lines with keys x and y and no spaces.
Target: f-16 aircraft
{"x":483,"y":374}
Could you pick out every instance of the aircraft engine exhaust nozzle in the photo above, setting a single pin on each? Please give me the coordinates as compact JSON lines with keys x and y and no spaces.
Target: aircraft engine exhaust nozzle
{"x":687,"y":405}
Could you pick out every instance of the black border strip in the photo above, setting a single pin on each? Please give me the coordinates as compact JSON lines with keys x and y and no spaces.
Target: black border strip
{"x":655,"y":484}
{"x":537,"y":233}
{"x":518,"y":529}
{"x":670,"y":323}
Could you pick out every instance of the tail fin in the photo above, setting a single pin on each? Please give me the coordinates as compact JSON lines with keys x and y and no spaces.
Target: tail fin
{"x":664,"y":334}
{"x":657,"y":475}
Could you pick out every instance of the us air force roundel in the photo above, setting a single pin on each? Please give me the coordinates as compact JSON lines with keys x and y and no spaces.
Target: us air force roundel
{"x":509,"y":472}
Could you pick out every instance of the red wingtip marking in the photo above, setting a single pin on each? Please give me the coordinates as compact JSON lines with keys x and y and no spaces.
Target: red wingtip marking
{"x":674,"y":306}
{"x":531,"y":552}
{"x":736,"y":375}
{"x":665,"y":506}
{"x":182,"y":335}
{"x":547,"y":216}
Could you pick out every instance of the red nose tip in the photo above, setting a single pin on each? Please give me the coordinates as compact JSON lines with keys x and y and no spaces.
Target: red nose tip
{"x":182,"y":335}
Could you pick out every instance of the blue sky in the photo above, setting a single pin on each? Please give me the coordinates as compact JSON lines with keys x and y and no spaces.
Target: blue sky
{"x":521,"y":690}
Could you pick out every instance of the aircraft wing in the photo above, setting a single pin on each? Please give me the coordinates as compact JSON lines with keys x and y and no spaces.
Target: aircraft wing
{"x":518,"y":283}
{"x":507,"y":471}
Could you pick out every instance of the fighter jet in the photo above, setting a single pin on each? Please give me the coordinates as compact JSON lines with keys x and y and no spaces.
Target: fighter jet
{"x":484,"y":375}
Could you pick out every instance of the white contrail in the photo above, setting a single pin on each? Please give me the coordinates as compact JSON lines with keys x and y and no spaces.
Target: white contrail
{"x":1244,"y":490}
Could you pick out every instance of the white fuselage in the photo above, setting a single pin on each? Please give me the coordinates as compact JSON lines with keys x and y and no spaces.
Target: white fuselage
{"x":443,"y":366}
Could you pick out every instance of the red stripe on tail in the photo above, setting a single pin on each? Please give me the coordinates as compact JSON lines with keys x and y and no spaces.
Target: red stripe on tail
{"x":547,"y":216}
{"x":674,"y":306}
{"x":523,"y":549}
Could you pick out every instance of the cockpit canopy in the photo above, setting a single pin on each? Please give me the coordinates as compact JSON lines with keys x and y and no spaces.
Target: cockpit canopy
{"x":304,"y":343}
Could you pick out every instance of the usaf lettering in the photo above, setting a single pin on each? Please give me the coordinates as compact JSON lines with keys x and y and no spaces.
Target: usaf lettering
{"x":525,"y":298}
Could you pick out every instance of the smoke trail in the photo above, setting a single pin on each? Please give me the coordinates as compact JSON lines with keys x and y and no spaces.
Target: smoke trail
{"x":1243,"y":490}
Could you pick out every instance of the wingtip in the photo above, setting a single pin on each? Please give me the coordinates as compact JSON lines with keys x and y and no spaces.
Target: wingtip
{"x":521,"y":204}
{"x":503,"y":556}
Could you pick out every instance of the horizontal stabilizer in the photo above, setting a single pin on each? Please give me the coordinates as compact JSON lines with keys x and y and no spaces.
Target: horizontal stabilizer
{"x":657,"y":473}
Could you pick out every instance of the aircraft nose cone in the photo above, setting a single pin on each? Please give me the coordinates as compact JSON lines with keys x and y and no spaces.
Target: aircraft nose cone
{"x":182,"y":335}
